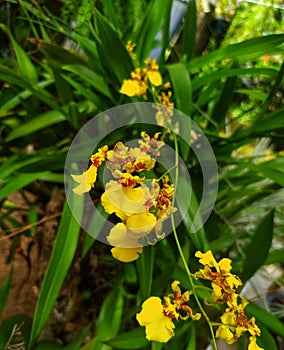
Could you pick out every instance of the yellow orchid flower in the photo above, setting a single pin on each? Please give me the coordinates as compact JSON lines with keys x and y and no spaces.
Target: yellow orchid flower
{"x":158,"y":317}
{"x":224,"y":284}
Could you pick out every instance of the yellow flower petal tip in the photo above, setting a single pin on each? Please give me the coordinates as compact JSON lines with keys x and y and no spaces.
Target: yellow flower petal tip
{"x":86,"y":180}
{"x":126,"y":254}
{"x":253,"y":345}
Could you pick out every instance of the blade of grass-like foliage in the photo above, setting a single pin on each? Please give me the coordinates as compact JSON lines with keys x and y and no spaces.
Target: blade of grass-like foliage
{"x":58,"y":55}
{"x":165,"y":33}
{"x":266,"y":339}
{"x":113,"y":49}
{"x":224,"y":102}
{"x":152,"y":22}
{"x":183,"y":97}
{"x":190,"y":209}
{"x":19,"y":182}
{"x":35,"y":124}
{"x":189,"y":32}
{"x":77,"y":342}
{"x":90,"y":49}
{"x":134,"y":339}
{"x":266,"y":318}
{"x":276,"y":85}
{"x":5,"y":107}
{"x":95,"y":225}
{"x":192,"y":338}
{"x":270,"y":122}
{"x":90,"y":77}
{"x":110,"y":12}
{"x":145,"y":268}
{"x":4,"y":290}
{"x":60,"y":261}
{"x":89,"y":95}
{"x":26,"y":67}
{"x":182,"y":87}
{"x":248,"y":49}
{"x":275,"y":257}
{"x":109,"y":320}
{"x":206,"y":79}
{"x":10,"y":77}
{"x":256,"y":251}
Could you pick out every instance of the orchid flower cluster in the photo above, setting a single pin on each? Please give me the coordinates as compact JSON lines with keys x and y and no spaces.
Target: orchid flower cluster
{"x":158,"y":318}
{"x":149,"y":78}
{"x":141,"y":204}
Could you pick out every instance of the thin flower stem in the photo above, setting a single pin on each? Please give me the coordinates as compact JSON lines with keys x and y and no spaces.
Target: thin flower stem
{"x":189,"y":274}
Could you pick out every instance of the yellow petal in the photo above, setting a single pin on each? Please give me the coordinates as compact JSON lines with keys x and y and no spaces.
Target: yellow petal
{"x":120,"y":237}
{"x":110,"y":208}
{"x":158,"y":327}
{"x":155,"y":78}
{"x":225,"y":265}
{"x":141,"y":224}
{"x":129,"y":88}
{"x":253,"y":345}
{"x":128,"y":200}
{"x":86,"y":180}
{"x":133,"y":88}
{"x":126,"y":254}
{"x":225,"y":333}
{"x":207,"y":259}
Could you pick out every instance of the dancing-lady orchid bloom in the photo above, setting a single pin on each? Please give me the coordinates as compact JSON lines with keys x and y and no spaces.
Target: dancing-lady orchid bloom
{"x":224,"y":284}
{"x":158,"y":317}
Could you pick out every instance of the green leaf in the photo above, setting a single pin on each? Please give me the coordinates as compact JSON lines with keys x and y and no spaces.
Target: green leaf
{"x":19,"y":182}
{"x":91,"y":78}
{"x":154,"y":15}
{"x":17,"y":99}
{"x":60,"y":261}
{"x":26,"y":67}
{"x":134,"y":339}
{"x":266,"y":339}
{"x":145,"y":268}
{"x":13,"y":78}
{"x":246,"y":50}
{"x":189,"y":32}
{"x":266,"y":318}
{"x":256,"y":251}
{"x":270,"y":122}
{"x":114,"y":52}
{"x":95,"y":225}
{"x":275,"y":257}
{"x":109,"y":320}
{"x":4,"y":290}
{"x":206,"y":79}
{"x":40,"y":122}
{"x":189,"y":208}
{"x":77,"y":342}
{"x":182,"y":87}
{"x":224,"y":102}
{"x":59,"y":55}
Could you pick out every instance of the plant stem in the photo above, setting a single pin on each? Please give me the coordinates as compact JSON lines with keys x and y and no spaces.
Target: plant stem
{"x":182,"y":255}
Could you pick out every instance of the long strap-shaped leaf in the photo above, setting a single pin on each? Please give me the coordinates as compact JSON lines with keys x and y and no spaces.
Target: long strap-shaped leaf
{"x":61,"y":258}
